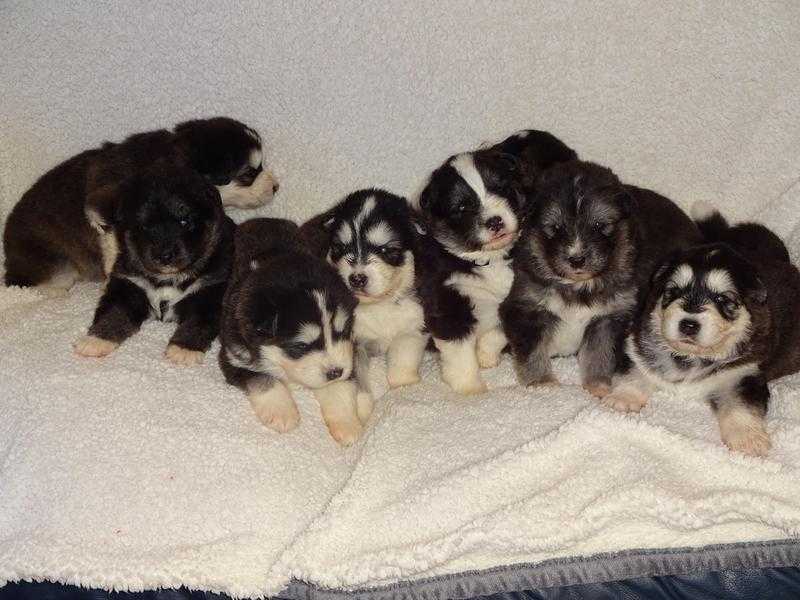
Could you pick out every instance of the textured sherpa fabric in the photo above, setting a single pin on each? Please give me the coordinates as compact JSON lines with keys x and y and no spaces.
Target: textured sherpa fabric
{"x":131,"y":473}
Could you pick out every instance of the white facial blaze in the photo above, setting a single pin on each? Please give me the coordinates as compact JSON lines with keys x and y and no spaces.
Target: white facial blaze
{"x":344,"y":234}
{"x":379,"y":234}
{"x":255,"y":157}
{"x":309,"y":333}
{"x":340,"y":319}
{"x":338,"y":354}
{"x":492,"y":205}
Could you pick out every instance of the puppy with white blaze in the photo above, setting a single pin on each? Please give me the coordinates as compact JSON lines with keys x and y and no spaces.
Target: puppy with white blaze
{"x":58,"y":232}
{"x":581,"y":265}
{"x":721,"y":320}
{"x":176,"y":247}
{"x":472,"y":206}
{"x":371,"y":239}
{"x":288,"y":318}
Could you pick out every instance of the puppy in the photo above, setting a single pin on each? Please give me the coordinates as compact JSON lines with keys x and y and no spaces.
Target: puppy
{"x":720,"y":321}
{"x":288,"y":318}
{"x":176,"y":248}
{"x":535,"y":151}
{"x":471,"y":206}
{"x":371,"y":239}
{"x":580,"y":265}
{"x":56,"y":235}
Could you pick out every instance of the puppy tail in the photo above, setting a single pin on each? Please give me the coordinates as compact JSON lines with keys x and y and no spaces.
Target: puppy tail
{"x":709,"y":220}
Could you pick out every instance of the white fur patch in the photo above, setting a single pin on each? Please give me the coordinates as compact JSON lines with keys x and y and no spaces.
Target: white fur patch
{"x":256,"y":194}
{"x":702,"y":211}
{"x":255,"y":157}
{"x":379,"y":234}
{"x":345,"y":234}
{"x":165,"y":293}
{"x":183,"y":356}
{"x":338,"y":404}
{"x":94,"y":347}
{"x":486,"y":287}
{"x":719,"y":281}
{"x":683,"y":275}
{"x":464,"y":164}
{"x":460,"y":369}
{"x":274,"y":407}
{"x":309,"y":333}
{"x":339,"y":319}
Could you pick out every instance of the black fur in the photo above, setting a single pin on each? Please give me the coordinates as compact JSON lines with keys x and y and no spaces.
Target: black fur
{"x":48,"y":230}
{"x":176,"y":244}
{"x":590,"y":248}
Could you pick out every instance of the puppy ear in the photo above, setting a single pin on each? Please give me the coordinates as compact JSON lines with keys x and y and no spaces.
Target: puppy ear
{"x":103,"y":208}
{"x":758,"y":293}
{"x":425,"y":199}
{"x":662,"y":270}
{"x":418,"y":224}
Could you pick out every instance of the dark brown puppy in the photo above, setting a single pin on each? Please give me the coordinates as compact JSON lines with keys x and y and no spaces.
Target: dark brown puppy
{"x":580,"y":267}
{"x":175,"y":253}
{"x":720,"y":321}
{"x":55,"y":234}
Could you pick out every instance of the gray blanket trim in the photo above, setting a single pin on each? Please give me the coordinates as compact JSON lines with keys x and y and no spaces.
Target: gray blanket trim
{"x":629,"y":564}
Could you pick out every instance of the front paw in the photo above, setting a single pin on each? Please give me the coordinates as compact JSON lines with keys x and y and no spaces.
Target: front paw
{"x":345,"y":432}
{"x":748,"y":436}
{"x":398,"y":377}
{"x":364,"y":406}
{"x":466,"y":384}
{"x":599,"y":389}
{"x":625,"y":400}
{"x":183,"y":356}
{"x":276,"y":409}
{"x":488,"y":358}
{"x":94,"y":347}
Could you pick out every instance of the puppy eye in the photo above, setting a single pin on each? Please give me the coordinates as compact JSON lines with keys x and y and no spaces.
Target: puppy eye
{"x":726,"y":302}
{"x":390,"y":252}
{"x":603,"y":228}
{"x":297,"y":347}
{"x":185,"y":223}
{"x":552,"y":231}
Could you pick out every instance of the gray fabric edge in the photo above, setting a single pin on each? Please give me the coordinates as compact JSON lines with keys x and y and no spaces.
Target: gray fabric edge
{"x":629,"y":564}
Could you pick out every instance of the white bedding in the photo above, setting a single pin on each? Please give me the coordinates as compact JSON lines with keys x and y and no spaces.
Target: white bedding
{"x":132,"y":473}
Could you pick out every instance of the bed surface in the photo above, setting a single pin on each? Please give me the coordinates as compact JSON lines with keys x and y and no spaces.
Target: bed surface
{"x":133,"y":474}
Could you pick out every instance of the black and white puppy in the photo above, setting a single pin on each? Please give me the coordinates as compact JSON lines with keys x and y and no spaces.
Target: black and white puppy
{"x":580,"y":265}
{"x":372,"y":240}
{"x":56,"y":233}
{"x":720,"y":321}
{"x":288,"y":318}
{"x":175,"y":253}
{"x":471,"y":206}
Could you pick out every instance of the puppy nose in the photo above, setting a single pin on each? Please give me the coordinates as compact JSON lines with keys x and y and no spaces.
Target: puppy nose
{"x":334,"y":374}
{"x":358,"y":280}
{"x":577,"y":261}
{"x":689,"y":327}
{"x":275,"y":187}
{"x":495,"y":224}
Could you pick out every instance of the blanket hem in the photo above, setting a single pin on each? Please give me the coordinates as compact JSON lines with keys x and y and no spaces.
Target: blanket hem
{"x":598,"y":568}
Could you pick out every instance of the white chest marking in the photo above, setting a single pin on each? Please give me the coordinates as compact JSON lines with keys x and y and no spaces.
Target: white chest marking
{"x":486,"y":287}
{"x":382,"y":322}
{"x":575,"y":318}
{"x":164,"y":298}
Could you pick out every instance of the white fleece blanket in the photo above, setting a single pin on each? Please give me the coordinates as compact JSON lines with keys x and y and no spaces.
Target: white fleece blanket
{"x":131,"y":473}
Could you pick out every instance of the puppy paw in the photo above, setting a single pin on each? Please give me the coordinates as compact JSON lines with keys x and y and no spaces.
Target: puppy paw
{"x":598,"y":389}
{"x":399,"y":377}
{"x":466,"y":386}
{"x":345,"y":432}
{"x":488,"y":358}
{"x":183,"y":356}
{"x":625,"y":400}
{"x":364,"y":406}
{"x":278,"y":417}
{"x":746,"y":435}
{"x":547,"y":380}
{"x":94,"y":347}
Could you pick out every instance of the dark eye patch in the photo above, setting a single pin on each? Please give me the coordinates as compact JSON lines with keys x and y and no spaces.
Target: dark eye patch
{"x":727,"y":304}
{"x":248,"y":175}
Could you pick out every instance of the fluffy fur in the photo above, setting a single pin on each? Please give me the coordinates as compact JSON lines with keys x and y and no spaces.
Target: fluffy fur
{"x":580,"y":266}
{"x":721,"y":320}
{"x":175,"y":249}
{"x":372,"y":240}
{"x":471,"y":207}
{"x":58,"y":231}
{"x":288,"y":318}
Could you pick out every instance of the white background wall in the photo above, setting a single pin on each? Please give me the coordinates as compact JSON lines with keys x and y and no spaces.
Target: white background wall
{"x":693,"y":100}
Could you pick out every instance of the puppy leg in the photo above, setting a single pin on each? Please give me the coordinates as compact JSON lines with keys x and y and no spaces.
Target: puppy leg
{"x":121,"y":311}
{"x":460,"y":369}
{"x":198,"y":325}
{"x":490,"y":346}
{"x":630,"y":392}
{"x":598,"y":351}
{"x":403,"y":359}
{"x":364,"y":402}
{"x":273,"y":403}
{"x":529,"y":333}
{"x":741,"y":414}
{"x":337,"y":401}
{"x":60,"y":282}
